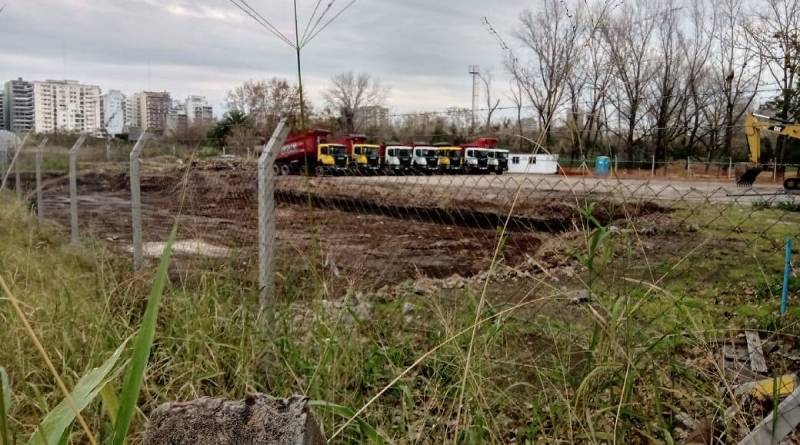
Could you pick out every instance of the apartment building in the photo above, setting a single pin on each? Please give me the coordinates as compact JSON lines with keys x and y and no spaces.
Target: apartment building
{"x":132,"y":112}
{"x":66,"y":106}
{"x":153,"y":110}
{"x":177,"y":119}
{"x":18,"y":106}
{"x":113,"y":112}
{"x":198,"y":111}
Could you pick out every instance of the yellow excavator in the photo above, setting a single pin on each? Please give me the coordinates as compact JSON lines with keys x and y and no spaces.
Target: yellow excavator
{"x":747,"y":172}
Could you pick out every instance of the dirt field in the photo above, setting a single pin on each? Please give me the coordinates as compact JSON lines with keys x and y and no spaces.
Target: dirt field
{"x":374,"y":230}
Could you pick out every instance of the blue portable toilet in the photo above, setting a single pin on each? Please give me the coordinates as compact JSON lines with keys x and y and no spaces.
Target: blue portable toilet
{"x":602,"y":166}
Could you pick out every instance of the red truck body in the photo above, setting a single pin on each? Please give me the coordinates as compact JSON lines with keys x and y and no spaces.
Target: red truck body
{"x":350,"y":140}
{"x":482,"y":143}
{"x":302,"y":145}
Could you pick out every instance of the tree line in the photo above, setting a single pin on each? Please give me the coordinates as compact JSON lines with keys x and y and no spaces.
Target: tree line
{"x":637,"y":78}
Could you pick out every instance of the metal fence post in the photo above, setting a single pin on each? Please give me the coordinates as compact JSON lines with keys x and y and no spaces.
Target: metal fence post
{"x":73,"y":190}
{"x":653,"y":167}
{"x":38,"y":167}
{"x":266,"y":217}
{"x":17,"y":150}
{"x":730,"y":167}
{"x":136,"y":201}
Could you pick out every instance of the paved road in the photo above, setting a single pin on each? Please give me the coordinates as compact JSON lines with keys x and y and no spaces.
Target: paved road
{"x":655,"y":189}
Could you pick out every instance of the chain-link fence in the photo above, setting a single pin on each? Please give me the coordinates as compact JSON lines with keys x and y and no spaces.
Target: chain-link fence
{"x":497,"y":238}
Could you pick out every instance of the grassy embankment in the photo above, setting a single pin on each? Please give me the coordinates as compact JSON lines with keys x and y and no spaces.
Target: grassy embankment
{"x":627,"y":365}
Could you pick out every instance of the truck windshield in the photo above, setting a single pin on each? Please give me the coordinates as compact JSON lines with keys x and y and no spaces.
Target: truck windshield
{"x":428,"y":153}
{"x":337,"y":150}
{"x":480,"y":154}
{"x":371,"y":151}
{"x":502,"y":155}
{"x":454,"y":154}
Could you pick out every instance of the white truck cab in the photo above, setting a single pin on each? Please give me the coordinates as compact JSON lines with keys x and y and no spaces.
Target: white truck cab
{"x":498,"y":160}
{"x":476,"y":160}
{"x":397,"y":158}
{"x":425,"y":158}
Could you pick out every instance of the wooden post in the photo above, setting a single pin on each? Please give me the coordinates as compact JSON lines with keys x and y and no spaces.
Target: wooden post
{"x":136,"y":201}
{"x":688,"y":166}
{"x":730,"y":167}
{"x":266,"y":218}
{"x":73,"y":190}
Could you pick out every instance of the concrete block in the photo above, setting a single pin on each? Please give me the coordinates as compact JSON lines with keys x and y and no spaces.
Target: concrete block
{"x":257,"y":420}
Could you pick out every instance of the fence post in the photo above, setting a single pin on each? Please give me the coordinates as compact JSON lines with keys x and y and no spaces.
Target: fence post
{"x":688,"y":166}
{"x":616,"y":165}
{"x":266,"y":218}
{"x":787,"y":270}
{"x":774,"y":170}
{"x":73,"y":190}
{"x":38,"y":167}
{"x":17,"y":150}
{"x":730,"y":167}
{"x":136,"y":201}
{"x":653,"y":167}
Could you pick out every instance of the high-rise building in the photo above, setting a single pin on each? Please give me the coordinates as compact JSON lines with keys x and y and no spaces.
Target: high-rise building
{"x":113,"y":107}
{"x":177,"y":119}
{"x":18,"y":108}
{"x":372,"y":116}
{"x":153,"y":110}
{"x":198,"y":111}
{"x":66,"y":105}
{"x":133,"y":112}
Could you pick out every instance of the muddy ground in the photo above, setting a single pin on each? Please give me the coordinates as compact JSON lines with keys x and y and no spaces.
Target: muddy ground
{"x":359,"y":230}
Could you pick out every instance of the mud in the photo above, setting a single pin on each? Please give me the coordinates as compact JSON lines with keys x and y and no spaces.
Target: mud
{"x":355,"y":229}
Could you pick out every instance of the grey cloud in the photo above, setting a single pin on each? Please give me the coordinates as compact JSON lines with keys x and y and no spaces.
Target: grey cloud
{"x":420,"y":48}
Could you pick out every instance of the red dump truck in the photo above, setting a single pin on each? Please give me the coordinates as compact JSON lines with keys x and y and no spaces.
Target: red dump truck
{"x":363,"y":157}
{"x":309,"y":152}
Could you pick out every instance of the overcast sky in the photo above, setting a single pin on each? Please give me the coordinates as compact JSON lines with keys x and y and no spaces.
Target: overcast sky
{"x":419,"y":48}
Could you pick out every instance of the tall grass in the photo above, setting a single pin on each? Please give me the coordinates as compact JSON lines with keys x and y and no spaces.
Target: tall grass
{"x":622,"y":368}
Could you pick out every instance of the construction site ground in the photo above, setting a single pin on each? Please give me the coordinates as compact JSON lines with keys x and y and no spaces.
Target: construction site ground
{"x":375,"y":231}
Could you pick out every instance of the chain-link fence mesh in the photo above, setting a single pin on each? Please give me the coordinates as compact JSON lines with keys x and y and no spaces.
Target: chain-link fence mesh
{"x":494,"y":238}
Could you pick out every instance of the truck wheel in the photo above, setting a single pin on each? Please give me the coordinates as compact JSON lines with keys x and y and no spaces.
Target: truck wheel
{"x":276,"y":169}
{"x":285,"y":170}
{"x":791,"y":184}
{"x":319,"y":171}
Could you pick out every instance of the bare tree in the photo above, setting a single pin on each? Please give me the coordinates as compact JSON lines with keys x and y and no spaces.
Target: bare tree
{"x":517,"y":97}
{"x":266,"y":102}
{"x":775,"y":31}
{"x":491,"y":106}
{"x":736,"y":74}
{"x":552,"y":37}
{"x":350,"y":93}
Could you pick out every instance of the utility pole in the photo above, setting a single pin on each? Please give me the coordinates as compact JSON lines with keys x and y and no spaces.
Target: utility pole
{"x":299,"y":72}
{"x":475,"y":71}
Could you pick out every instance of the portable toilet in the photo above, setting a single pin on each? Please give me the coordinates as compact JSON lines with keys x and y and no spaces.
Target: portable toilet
{"x":602,"y":166}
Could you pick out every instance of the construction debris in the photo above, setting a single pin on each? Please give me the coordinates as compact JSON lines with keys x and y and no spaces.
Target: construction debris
{"x":756,"y":353}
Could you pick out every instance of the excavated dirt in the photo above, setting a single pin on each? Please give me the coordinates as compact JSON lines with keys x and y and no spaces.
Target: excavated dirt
{"x":358,"y":229}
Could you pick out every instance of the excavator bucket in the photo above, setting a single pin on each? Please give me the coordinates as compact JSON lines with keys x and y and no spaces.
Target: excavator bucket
{"x":746,"y":174}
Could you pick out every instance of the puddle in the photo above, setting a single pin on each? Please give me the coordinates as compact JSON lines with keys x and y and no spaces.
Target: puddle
{"x":186,"y":247}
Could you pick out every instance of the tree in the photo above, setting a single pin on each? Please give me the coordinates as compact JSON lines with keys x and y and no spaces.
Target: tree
{"x":628,"y":39}
{"x":491,"y":106}
{"x":234,"y":124}
{"x":552,"y":37}
{"x":266,"y":102}
{"x":775,"y":31}
{"x":350,"y":93}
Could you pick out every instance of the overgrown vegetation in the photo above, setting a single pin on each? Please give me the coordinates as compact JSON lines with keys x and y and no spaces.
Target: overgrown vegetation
{"x":628,"y":365}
